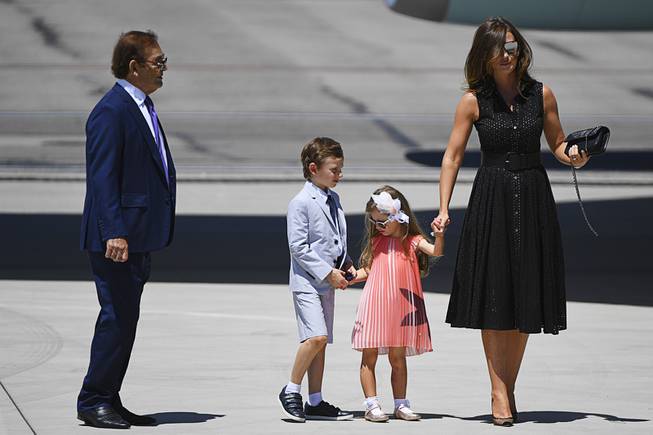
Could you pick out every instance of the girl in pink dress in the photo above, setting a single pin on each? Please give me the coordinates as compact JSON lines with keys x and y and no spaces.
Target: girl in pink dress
{"x":391,"y":316}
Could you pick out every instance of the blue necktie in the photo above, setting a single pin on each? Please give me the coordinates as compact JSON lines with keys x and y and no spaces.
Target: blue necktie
{"x":334,"y":215}
{"x":332,"y":209}
{"x":157,"y":137}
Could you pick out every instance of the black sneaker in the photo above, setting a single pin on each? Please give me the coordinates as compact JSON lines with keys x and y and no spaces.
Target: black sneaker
{"x":326,"y":411}
{"x":292,"y":405}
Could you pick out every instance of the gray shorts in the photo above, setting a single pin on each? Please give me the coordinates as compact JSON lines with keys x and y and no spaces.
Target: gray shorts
{"x":314,"y":314}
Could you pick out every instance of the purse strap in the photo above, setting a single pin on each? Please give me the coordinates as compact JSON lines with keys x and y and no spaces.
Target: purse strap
{"x":580,"y":201}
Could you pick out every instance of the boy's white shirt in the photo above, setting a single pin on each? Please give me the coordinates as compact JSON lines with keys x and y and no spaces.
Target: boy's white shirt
{"x":313,"y":239}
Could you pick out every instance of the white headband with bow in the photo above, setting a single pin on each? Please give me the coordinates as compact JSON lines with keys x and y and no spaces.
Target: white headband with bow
{"x":392,"y":207}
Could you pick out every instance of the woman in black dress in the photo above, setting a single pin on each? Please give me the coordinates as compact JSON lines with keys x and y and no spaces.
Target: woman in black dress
{"x":509,"y":278}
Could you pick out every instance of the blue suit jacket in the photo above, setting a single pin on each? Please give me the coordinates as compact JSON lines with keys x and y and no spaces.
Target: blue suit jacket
{"x":127,"y":194}
{"x":314,"y":241}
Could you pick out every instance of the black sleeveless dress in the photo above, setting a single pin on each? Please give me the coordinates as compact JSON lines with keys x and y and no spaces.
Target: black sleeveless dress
{"x":509,"y":268}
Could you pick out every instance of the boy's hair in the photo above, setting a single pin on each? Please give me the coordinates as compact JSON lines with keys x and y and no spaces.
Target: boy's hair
{"x":317,"y":150}
{"x":412,"y":228}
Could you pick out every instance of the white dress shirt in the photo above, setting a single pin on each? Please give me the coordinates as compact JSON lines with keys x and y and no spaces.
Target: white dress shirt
{"x":323,"y":198}
{"x":139,"y":98}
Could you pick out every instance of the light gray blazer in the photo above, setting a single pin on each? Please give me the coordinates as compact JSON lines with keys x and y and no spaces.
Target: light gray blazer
{"x":314,"y":240}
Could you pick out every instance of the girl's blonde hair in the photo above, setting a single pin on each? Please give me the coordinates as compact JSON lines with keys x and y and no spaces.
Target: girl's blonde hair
{"x":412,"y":228}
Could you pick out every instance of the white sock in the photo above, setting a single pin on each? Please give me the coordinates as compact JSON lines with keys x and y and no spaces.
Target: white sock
{"x":371,"y":402}
{"x":315,"y":398}
{"x":293,"y":388}
{"x":399,"y":402}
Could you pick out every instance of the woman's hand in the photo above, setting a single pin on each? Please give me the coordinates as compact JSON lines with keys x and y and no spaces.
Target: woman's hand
{"x":577,"y":159}
{"x":441,"y":222}
{"x":437,"y":230}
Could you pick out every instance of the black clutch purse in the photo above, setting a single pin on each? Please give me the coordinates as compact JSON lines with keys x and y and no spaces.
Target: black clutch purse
{"x":593,"y":140}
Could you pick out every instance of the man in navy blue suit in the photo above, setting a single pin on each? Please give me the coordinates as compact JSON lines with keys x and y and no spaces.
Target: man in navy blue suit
{"x":129,"y":211}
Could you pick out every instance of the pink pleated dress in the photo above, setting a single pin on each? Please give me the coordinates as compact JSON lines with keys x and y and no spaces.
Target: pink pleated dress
{"x":391,"y":311}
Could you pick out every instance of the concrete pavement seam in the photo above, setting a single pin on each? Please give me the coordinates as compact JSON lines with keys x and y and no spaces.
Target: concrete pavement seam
{"x":17,"y":408}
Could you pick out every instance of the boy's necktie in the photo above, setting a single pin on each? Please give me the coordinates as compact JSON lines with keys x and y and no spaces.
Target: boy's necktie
{"x":157,"y":137}
{"x":332,"y":209}
{"x":334,"y":215}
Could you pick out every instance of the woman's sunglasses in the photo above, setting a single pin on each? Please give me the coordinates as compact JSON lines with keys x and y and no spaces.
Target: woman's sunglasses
{"x":381,"y":224}
{"x":511,"y":47}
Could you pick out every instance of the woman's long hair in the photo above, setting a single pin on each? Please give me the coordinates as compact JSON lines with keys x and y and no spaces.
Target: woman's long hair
{"x":412,"y":228}
{"x":487,"y":45}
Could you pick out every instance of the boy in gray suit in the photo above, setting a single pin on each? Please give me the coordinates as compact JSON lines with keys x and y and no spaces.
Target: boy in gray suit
{"x":317,"y":239}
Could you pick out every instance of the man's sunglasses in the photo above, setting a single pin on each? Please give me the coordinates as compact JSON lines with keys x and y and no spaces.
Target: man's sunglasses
{"x":380,"y":224}
{"x":160,"y":63}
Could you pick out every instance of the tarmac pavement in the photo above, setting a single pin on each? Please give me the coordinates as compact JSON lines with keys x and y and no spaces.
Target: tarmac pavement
{"x":211,"y":358}
{"x":250,"y":81}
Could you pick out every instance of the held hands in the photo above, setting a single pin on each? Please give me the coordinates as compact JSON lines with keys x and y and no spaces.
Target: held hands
{"x":117,"y":250}
{"x":351,"y":274}
{"x":440,"y":222}
{"x":576,"y":159}
{"x":360,"y":275}
{"x":438,"y":231}
{"x":337,"y":279}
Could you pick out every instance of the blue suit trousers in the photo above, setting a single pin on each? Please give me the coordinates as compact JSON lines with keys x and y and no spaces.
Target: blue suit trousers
{"x":119,"y":287}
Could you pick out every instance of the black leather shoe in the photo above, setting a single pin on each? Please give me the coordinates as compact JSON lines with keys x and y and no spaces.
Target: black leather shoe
{"x":103,"y":416}
{"x":292,"y":405}
{"x":134,"y":419}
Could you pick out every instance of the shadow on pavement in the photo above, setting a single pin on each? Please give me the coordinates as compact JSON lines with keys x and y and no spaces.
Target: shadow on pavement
{"x":568,"y":416}
{"x":526,"y":417}
{"x":617,"y":160}
{"x":614,"y":268}
{"x":181,"y":417}
{"x":556,"y":417}
{"x":425,"y":416}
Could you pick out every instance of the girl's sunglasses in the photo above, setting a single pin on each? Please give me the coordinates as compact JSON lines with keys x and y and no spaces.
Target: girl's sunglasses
{"x":381,"y":224}
{"x":511,"y":47}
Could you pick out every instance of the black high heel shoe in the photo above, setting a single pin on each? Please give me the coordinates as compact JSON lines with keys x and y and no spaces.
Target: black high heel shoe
{"x":513,"y":410}
{"x":501,"y":421}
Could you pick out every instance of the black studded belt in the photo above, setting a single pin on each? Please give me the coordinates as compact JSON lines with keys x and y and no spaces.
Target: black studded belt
{"x":511,"y":161}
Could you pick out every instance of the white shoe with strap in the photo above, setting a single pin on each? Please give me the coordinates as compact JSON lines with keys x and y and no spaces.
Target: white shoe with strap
{"x":375,"y":415}
{"x":403,"y":412}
